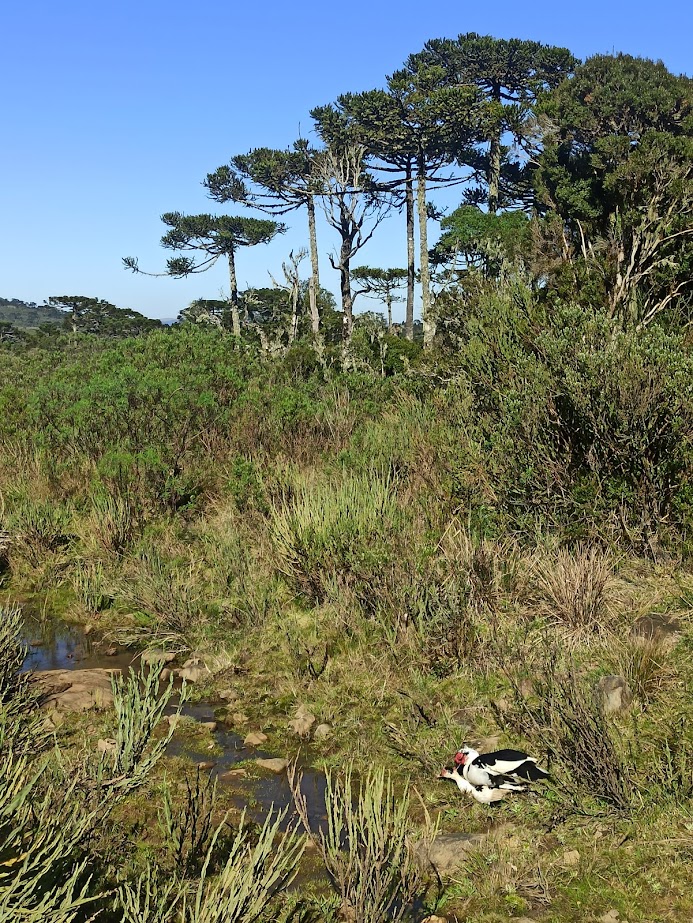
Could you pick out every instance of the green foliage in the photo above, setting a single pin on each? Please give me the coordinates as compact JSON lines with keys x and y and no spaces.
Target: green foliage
{"x":578,"y":423}
{"x":479,"y":239}
{"x":617,"y":169}
{"x":39,"y":529}
{"x":337,"y":536}
{"x":99,"y":317}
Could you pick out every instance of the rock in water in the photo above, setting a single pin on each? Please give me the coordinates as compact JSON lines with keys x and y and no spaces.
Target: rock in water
{"x":274,"y":765}
{"x":76,"y":690}
{"x":255,"y":739}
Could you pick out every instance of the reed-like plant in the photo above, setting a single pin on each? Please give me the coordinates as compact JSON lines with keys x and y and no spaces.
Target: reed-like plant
{"x":112,"y":522}
{"x":90,"y":585}
{"x":256,"y":870}
{"x":188,"y":829}
{"x":139,"y":703}
{"x":39,"y":529}
{"x":170,"y":592}
{"x":367,"y":847}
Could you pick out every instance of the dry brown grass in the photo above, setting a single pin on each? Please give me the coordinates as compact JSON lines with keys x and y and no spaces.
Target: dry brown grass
{"x":576,"y":588}
{"x":645,"y":665}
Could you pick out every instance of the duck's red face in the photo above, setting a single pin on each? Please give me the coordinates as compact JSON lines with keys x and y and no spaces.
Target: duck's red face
{"x":460,"y":758}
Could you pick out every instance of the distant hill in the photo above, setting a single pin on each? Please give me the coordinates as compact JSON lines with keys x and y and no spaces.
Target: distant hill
{"x":28,"y":314}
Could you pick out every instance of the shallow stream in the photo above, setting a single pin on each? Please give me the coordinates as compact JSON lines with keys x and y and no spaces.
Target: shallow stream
{"x":54,"y":645}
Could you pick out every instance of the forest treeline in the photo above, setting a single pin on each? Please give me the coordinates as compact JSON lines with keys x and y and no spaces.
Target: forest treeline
{"x":574,"y":176}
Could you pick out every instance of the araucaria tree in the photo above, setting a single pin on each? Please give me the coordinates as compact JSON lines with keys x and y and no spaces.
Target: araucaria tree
{"x":210,"y":237}
{"x":511,"y":75}
{"x":381,"y":284}
{"x":411,"y":130}
{"x":276,"y":182}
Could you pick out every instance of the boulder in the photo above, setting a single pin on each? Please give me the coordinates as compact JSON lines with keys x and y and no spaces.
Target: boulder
{"x":255,"y":739}
{"x":657,"y":627}
{"x":193,"y":671}
{"x":614,"y":693}
{"x":76,"y":690}
{"x":303,"y":722}
{"x":322,"y":731}
{"x":156,"y":655}
{"x":276,"y":764}
{"x":232,"y":774}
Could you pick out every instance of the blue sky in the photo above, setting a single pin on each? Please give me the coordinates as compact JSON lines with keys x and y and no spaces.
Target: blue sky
{"x":113,"y":113}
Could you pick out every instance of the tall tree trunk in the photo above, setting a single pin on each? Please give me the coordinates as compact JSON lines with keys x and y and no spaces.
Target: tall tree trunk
{"x":388,"y":302}
{"x":314,"y":284}
{"x":295,"y":292}
{"x":428,"y":327}
{"x":347,"y":297}
{"x":233,"y":288}
{"x":409,"y":191}
{"x":494,"y":161}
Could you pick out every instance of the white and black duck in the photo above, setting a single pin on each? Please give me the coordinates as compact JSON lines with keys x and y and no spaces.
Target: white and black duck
{"x":499,"y":767}
{"x":484,"y":794}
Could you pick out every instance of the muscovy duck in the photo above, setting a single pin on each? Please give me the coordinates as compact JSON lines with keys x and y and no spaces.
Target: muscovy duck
{"x":498,"y":768}
{"x":485,"y":794}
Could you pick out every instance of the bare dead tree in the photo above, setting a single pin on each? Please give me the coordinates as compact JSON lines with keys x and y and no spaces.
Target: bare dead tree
{"x":354,"y":206}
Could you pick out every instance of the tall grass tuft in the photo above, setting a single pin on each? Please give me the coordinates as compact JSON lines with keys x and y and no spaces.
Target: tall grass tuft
{"x":112,"y":523}
{"x":329,"y":537}
{"x":169,"y":592}
{"x":576,"y":588}
{"x":39,"y":529}
{"x":367,"y":848}
{"x":643,"y":663}
{"x":90,"y":585}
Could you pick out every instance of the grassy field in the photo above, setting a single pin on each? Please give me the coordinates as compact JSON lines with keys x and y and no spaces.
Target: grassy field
{"x":455,"y":553}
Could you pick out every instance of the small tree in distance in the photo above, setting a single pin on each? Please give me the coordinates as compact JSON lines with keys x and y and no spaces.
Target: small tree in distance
{"x":210,"y":236}
{"x":280,"y":182}
{"x":381,"y":284}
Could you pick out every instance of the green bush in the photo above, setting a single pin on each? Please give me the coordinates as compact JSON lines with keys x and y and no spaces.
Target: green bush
{"x":329,"y":537}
